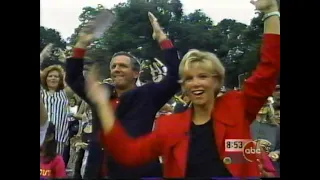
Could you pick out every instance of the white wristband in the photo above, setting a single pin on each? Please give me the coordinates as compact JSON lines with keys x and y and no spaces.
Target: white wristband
{"x":266,"y":16}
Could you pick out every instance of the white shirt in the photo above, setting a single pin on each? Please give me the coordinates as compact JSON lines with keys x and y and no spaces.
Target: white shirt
{"x":74,"y":109}
{"x":43,"y":131}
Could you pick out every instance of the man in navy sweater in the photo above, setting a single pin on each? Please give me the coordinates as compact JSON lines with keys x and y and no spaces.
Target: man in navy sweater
{"x":127,"y":99}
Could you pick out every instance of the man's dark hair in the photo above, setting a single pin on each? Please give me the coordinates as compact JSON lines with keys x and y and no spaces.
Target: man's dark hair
{"x":133,"y":60}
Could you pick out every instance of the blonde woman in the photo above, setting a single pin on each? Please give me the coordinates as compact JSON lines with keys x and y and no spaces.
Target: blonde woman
{"x":192,"y":143}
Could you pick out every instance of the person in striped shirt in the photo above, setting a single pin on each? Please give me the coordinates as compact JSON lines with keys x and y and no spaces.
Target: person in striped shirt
{"x":54,"y":94}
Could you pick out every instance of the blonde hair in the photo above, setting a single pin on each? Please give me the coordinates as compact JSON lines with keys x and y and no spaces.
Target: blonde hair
{"x":267,"y":113}
{"x":46,"y":72}
{"x":205,"y":60}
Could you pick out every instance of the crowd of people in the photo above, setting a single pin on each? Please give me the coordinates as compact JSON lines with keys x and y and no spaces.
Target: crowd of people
{"x":174,"y":127}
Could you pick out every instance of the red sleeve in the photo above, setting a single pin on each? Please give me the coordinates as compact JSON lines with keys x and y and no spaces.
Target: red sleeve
{"x":166,"y":44}
{"x":78,"y":53}
{"x":129,"y":151}
{"x":262,"y":83}
{"x":59,"y":169}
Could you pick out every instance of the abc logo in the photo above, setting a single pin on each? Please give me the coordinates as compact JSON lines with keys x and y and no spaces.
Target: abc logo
{"x":251,"y":151}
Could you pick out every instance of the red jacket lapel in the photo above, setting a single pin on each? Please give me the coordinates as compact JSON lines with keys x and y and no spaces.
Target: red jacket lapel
{"x":181,"y":146}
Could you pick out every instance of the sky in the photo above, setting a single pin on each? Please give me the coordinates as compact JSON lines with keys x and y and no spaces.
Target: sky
{"x":62,"y":15}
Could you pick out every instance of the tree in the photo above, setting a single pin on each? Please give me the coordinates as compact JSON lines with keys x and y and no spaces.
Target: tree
{"x":235,"y":43}
{"x":251,"y":38}
{"x":243,"y":57}
{"x":131,"y":31}
{"x":193,"y":32}
{"x":232,"y":48}
{"x":49,"y":35}
{"x":197,"y":31}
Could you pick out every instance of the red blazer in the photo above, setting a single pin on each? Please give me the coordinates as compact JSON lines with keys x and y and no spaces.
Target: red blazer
{"x":232,"y":115}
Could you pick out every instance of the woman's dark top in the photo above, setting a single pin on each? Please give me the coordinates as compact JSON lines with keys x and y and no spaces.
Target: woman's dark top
{"x":203,"y":157}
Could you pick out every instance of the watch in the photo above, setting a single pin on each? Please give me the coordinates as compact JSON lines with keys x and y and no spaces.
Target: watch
{"x":266,"y":16}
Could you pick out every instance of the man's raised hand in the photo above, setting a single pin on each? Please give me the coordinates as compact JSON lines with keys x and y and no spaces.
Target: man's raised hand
{"x":158,"y":33}
{"x":95,"y":28}
{"x":96,"y":92}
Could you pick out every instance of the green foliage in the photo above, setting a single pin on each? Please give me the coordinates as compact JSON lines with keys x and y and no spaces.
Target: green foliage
{"x":49,"y":35}
{"x":235,"y":43}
